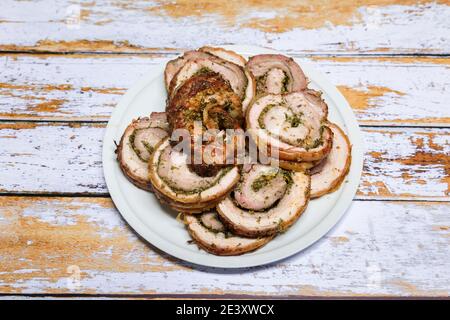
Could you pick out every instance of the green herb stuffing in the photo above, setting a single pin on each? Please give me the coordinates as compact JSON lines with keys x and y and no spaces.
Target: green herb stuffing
{"x":263,"y":180}
{"x":294,"y":120}
{"x":263,"y":114}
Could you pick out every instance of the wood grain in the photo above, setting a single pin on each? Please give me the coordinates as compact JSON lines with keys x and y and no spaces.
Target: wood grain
{"x":396,"y":248}
{"x":400,"y":163}
{"x":382,"y":91}
{"x":369,"y":26}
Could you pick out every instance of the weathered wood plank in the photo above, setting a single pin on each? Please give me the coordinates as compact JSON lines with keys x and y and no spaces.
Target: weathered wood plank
{"x":381,"y":90}
{"x":396,"y":248}
{"x":373,"y":26}
{"x":406,"y":163}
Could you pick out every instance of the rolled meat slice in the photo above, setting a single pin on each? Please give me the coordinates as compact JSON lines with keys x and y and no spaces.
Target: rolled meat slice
{"x":173,"y":66}
{"x":227,"y":63}
{"x":275,"y":73}
{"x":229,"y":71}
{"x":211,"y":235}
{"x":328,"y":175}
{"x":171,"y":176}
{"x":291,"y":126}
{"x":205,"y":97}
{"x":137,"y":144}
{"x":266,"y":201}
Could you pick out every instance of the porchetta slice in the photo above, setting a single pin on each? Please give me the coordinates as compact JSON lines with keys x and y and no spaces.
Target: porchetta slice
{"x":291,"y":127}
{"x":275,"y":73}
{"x":211,"y":235}
{"x":267,"y":200}
{"x":328,"y":175}
{"x":136,"y":145}
{"x":227,"y":63}
{"x":171,"y":176}
{"x":229,"y":71}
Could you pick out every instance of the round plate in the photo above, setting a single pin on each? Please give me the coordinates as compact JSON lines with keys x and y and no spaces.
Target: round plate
{"x":157,"y":223}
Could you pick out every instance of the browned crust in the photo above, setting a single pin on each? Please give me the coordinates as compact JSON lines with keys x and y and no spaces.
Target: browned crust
{"x":187,"y":95}
{"x":227,"y":251}
{"x":338,"y":181}
{"x":245,"y":232}
{"x":139,"y":182}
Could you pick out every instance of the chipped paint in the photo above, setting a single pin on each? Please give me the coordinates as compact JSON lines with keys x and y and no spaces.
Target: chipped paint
{"x":41,"y":233}
{"x":277,"y":16}
{"x":364,"y":98}
{"x":48,"y":234}
{"x":77,"y":46}
{"x":381,"y":93}
{"x":402,"y":163}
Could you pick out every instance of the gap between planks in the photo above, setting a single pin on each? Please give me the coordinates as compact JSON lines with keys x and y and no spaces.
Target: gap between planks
{"x":389,"y":125}
{"x":106,"y":196}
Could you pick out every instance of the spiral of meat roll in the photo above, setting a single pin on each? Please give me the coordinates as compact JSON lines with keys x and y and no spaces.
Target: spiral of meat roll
{"x":228,"y":64}
{"x":181,"y":188}
{"x":292,"y":125}
{"x":208,"y":98}
{"x":267,"y":200}
{"x":211,"y":235}
{"x":137,"y":144}
{"x":328,"y":175}
{"x":275,"y":73}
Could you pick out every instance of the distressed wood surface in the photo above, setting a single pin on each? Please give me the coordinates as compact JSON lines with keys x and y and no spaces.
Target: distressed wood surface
{"x":396,"y":248}
{"x":400,"y":163}
{"x":381,"y":90}
{"x":369,"y":26}
{"x":70,"y":62}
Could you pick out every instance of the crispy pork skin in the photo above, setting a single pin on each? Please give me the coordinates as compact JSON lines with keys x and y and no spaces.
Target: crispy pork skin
{"x":211,"y":235}
{"x":328,"y":175}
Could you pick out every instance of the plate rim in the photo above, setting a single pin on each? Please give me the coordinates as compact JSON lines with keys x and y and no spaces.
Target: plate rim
{"x":343,"y":202}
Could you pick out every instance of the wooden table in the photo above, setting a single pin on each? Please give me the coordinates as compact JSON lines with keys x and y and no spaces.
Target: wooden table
{"x":66,"y":64}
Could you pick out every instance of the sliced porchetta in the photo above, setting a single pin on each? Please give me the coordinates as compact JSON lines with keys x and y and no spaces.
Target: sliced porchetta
{"x":212,"y":236}
{"x":180,"y":186}
{"x":229,"y":71}
{"x":205,"y":97}
{"x":173,"y":66}
{"x":224,"y":62}
{"x":291,"y":127}
{"x":275,"y":73}
{"x":267,"y":200}
{"x":137,"y":144}
{"x":328,"y":175}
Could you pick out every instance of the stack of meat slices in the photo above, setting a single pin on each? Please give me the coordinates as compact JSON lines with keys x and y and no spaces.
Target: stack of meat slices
{"x":289,"y":122}
{"x":176,"y":185}
{"x":234,"y":209}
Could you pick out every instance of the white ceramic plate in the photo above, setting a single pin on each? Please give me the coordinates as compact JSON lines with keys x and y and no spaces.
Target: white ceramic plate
{"x":157,"y":224}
